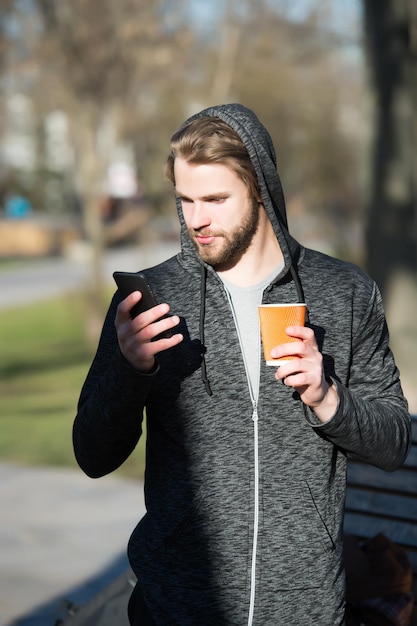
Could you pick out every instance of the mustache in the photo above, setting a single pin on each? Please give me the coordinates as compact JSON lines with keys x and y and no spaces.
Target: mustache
{"x":204,"y":232}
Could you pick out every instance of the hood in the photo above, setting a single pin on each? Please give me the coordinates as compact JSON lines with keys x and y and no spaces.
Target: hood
{"x":262,"y":154}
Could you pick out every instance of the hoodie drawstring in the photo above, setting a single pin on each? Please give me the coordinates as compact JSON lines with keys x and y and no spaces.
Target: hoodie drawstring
{"x":299,"y":288}
{"x":203,"y":283}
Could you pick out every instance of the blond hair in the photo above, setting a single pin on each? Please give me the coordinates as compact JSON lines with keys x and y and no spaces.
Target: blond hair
{"x":209,"y":140}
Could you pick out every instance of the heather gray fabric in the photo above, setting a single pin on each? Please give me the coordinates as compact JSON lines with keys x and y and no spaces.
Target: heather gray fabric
{"x":192,"y":552}
{"x":244,"y":302}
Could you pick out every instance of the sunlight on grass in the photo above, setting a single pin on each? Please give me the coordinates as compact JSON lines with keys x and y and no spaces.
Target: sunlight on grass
{"x":44,"y":361}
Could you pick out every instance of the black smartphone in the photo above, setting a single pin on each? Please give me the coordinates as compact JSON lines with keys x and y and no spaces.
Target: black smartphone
{"x":127,"y":282}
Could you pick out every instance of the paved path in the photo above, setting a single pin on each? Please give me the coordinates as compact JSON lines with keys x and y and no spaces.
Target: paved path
{"x":62,"y":536}
{"x":45,"y":278}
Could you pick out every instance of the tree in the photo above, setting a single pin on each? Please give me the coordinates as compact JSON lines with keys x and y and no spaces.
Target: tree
{"x":391,"y":32}
{"x":392,"y":224}
{"x":296,"y":76}
{"x":99,"y":62}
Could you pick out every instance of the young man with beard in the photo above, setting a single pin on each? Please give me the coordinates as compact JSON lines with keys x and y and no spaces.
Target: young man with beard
{"x":245,"y":471}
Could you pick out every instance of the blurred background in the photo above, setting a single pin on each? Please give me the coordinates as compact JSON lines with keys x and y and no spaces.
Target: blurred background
{"x":90,"y":93}
{"x":89,"y":96}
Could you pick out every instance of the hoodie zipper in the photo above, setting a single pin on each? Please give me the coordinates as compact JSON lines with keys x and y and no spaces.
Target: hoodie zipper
{"x":256,"y":513}
{"x":256,"y":472}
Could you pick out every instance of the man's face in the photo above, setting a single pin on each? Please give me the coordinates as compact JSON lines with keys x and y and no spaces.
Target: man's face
{"x":220,"y":216}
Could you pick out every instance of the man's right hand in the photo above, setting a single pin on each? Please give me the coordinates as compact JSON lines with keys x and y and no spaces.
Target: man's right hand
{"x":135,"y":335}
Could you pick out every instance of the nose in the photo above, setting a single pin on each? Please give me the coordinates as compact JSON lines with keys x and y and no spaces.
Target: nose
{"x":199,"y":217}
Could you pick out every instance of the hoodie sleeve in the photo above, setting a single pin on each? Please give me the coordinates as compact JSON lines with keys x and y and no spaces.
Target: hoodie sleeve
{"x":372,"y":422}
{"x":108,"y":423}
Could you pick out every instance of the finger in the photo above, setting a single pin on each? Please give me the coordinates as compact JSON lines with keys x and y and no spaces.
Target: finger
{"x":294,"y":348}
{"x":288,"y":369}
{"x":297,"y":380}
{"x":165,"y":343}
{"x":157,"y":327}
{"x":149,"y":317}
{"x":142,"y":355}
{"x":301,"y":332}
{"x":125,"y":306}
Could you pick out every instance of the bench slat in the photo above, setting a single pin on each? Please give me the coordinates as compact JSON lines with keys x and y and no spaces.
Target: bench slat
{"x":411,"y":460}
{"x":383,"y":504}
{"x":402,"y":533}
{"x":414,"y":428}
{"x":401,"y":481}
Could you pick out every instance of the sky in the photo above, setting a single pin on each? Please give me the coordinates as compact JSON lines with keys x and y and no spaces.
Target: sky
{"x":343,"y":11}
{"x":345,"y":14}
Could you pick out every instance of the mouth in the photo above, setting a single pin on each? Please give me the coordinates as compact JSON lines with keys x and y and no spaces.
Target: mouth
{"x":205,"y":240}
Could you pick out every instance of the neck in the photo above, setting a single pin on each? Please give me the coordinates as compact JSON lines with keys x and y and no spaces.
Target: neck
{"x":259,"y":260}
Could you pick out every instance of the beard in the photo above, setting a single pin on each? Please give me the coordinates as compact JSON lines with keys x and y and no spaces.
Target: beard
{"x":232,"y":245}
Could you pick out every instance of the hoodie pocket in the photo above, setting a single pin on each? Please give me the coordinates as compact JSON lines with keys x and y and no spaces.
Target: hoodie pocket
{"x":183,"y":547}
{"x":297,"y":548}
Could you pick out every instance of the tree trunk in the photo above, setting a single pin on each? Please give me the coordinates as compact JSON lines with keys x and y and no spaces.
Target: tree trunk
{"x":91,"y":179}
{"x":392,"y":224}
{"x":391,"y":232}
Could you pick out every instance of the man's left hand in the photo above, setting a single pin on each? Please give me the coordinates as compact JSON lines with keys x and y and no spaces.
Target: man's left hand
{"x":305,"y":373}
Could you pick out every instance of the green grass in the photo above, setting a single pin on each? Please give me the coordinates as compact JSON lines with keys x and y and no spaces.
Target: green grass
{"x":44,"y":361}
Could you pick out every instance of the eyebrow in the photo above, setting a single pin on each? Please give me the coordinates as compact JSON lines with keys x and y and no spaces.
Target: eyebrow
{"x":211,"y":196}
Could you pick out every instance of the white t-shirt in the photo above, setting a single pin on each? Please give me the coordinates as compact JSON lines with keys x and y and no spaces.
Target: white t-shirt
{"x":245,"y":302}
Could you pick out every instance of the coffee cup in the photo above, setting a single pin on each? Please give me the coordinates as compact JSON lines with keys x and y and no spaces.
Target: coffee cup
{"x":274,"y":319}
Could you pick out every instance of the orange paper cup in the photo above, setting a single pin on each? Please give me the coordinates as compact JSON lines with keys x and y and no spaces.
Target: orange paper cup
{"x":274,"y":319}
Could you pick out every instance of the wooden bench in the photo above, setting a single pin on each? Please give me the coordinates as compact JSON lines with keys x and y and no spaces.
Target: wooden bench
{"x":385,"y":502}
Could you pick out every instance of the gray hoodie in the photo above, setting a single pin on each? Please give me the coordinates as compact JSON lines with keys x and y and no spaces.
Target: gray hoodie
{"x":245,"y":503}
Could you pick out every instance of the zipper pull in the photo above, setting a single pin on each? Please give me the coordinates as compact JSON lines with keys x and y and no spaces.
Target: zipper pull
{"x":255,"y":412}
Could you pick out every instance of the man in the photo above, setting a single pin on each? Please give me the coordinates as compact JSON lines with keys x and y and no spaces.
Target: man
{"x":245,"y":471}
